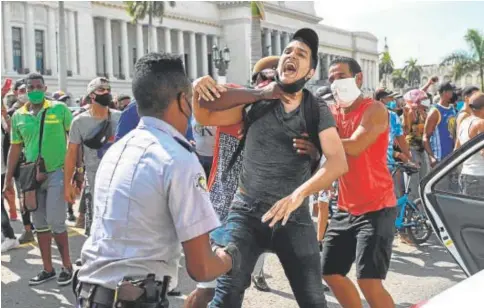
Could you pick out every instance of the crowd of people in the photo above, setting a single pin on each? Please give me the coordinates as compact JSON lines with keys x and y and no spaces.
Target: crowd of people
{"x":229,"y":173}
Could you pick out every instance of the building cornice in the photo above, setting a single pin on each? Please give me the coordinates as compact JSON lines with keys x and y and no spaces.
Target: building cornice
{"x":167,"y":15}
{"x":273,"y":8}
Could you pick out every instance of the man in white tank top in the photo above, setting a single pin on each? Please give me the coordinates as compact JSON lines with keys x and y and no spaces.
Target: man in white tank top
{"x":472,"y":174}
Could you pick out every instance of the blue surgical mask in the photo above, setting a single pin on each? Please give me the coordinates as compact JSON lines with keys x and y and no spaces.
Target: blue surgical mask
{"x":392,"y":105}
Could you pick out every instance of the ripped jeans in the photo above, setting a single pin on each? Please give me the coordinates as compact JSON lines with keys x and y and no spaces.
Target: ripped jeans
{"x":295,"y":245}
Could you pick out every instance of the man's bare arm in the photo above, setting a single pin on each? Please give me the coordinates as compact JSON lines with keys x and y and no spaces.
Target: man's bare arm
{"x":202,"y":263}
{"x":69,"y":169}
{"x":208,"y":117}
{"x":12,"y":160}
{"x":429,"y":128}
{"x":373,"y":124}
{"x":403,"y":145}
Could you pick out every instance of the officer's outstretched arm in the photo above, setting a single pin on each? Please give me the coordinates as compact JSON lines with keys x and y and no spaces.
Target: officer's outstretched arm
{"x":202,"y":263}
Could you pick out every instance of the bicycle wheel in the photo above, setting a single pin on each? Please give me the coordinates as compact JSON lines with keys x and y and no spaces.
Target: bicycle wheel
{"x":420,"y":231}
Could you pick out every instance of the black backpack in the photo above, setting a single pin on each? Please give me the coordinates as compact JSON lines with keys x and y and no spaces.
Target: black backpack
{"x":257,"y":110}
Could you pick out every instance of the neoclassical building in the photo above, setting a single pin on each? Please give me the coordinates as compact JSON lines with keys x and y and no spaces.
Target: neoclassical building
{"x":102,"y":40}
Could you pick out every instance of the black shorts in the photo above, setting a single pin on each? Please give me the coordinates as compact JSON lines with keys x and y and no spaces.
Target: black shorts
{"x":366,"y":238}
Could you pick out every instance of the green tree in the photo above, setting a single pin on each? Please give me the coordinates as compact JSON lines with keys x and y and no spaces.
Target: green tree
{"x":464,"y":62}
{"x":257,"y":14}
{"x":398,"y":79}
{"x":385,"y":67}
{"x":412,"y":72}
{"x":138,"y":10}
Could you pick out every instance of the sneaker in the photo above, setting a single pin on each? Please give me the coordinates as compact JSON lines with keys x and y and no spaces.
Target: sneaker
{"x":26,"y":237}
{"x":9,"y":243}
{"x":42,"y":277}
{"x":260,"y":283}
{"x":65,"y":277}
{"x":71,"y":217}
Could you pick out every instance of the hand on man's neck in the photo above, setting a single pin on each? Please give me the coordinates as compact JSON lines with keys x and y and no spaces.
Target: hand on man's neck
{"x":292,"y":101}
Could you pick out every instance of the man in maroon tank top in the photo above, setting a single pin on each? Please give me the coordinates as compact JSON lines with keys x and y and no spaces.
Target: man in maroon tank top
{"x":362,"y":229}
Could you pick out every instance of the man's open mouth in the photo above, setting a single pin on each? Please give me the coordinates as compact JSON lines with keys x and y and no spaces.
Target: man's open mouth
{"x":289,"y":68}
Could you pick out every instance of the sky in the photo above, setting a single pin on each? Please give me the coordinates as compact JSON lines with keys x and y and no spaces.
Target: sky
{"x":426,"y":30}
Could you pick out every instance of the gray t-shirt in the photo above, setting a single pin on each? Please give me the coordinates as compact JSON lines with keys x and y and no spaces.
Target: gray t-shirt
{"x":82,"y":128}
{"x":271,"y":168}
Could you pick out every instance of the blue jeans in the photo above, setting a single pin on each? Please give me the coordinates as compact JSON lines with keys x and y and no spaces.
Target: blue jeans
{"x":295,"y":245}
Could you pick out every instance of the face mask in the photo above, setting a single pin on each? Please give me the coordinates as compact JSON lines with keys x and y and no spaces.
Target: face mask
{"x":345,"y":91}
{"x":392,"y":105}
{"x":22,"y":98}
{"x":291,"y":88}
{"x":103,"y":99}
{"x":425,"y":102}
{"x":36,"y":97}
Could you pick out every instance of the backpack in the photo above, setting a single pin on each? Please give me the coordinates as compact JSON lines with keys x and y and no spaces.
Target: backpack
{"x":257,"y":110}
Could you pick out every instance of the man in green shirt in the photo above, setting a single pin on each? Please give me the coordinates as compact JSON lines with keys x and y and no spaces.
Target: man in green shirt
{"x":49,"y":218}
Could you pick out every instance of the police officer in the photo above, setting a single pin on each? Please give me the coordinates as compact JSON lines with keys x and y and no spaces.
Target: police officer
{"x":150,"y":195}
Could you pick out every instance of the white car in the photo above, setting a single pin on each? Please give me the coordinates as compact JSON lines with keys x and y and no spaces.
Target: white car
{"x":458,"y":222}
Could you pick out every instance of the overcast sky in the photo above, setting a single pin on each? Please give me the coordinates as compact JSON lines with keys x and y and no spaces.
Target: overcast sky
{"x":426,"y":30}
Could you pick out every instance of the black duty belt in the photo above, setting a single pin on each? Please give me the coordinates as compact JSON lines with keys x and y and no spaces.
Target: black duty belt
{"x":96,"y":294}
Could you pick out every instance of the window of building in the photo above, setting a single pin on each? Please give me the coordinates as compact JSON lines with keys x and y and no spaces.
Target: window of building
{"x":39,"y":51}
{"x":210,"y":65}
{"x":17,"y":49}
{"x":104,"y":62}
{"x":135,"y":56}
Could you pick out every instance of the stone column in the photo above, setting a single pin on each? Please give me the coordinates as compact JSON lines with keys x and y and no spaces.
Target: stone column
{"x":214,"y":69}
{"x":124,"y":48}
{"x":192,"y":58}
{"x":181,"y":46}
{"x":277,"y":48}
{"x":285,"y":39}
{"x":154,"y":39}
{"x":205,"y":64}
{"x":139,"y":41}
{"x":7,"y":35}
{"x":109,"y":48}
{"x":167,"y":40}
{"x":51,"y":55}
{"x":30,"y":38}
{"x":72,"y":43}
{"x":267,"y":42}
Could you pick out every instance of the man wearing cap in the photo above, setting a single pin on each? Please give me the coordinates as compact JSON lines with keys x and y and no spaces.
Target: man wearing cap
{"x":439,"y":132}
{"x":122,"y":101}
{"x":86,"y":128}
{"x":275,"y":180}
{"x":471,"y":179}
{"x":466,"y":111}
{"x":50,"y":215}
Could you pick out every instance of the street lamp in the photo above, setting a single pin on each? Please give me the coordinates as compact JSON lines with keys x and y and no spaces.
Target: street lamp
{"x":221,"y":59}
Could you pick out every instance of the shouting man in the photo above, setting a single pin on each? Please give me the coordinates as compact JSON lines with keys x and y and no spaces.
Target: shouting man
{"x":362,"y":229}
{"x":275,"y":180}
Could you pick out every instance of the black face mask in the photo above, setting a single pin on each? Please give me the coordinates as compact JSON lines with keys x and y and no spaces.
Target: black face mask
{"x":103,"y":99}
{"x":292,"y":88}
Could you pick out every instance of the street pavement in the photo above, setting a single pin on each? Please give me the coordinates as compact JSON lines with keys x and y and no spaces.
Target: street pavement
{"x":416,"y":274}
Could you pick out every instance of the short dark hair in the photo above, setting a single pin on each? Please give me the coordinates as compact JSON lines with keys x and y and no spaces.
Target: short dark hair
{"x":158,"y":79}
{"x":18,"y":83}
{"x":446,"y":86}
{"x":355,"y":68}
{"x":469,"y":90}
{"x":34,"y":76}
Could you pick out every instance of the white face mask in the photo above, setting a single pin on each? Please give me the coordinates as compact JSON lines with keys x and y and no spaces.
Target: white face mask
{"x":425,"y":102}
{"x":22,"y":98}
{"x":345,"y":91}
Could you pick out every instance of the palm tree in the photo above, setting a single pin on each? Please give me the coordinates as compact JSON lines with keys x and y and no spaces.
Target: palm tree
{"x":257,"y":13}
{"x":412,"y":71}
{"x":385,"y":67}
{"x":467,"y":62}
{"x":154,"y":9}
{"x":398,"y":79}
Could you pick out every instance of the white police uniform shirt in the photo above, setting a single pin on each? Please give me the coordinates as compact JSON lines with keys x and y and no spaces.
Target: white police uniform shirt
{"x":150,"y":195}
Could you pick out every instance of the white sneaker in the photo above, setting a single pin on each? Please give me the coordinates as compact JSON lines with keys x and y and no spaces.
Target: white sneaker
{"x":9,"y":243}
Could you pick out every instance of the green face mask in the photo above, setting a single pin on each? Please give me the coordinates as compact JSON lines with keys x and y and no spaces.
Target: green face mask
{"x":36,"y":97}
